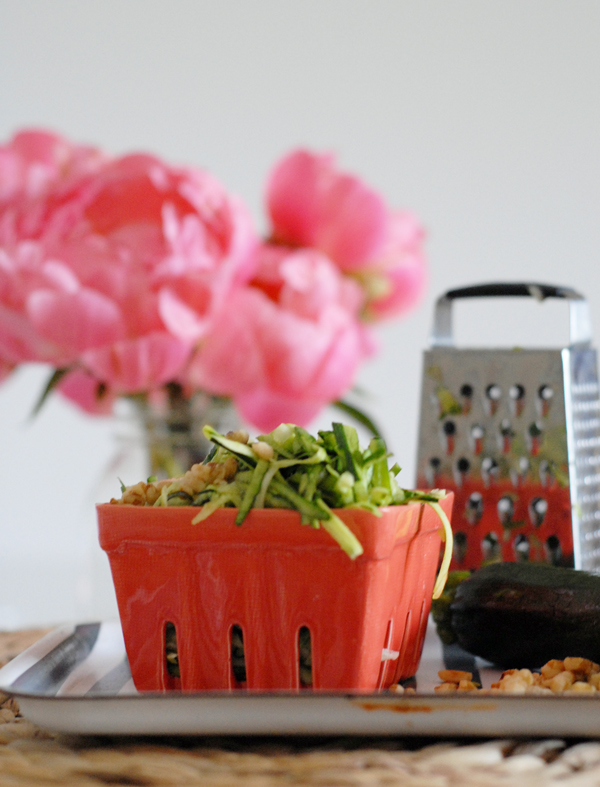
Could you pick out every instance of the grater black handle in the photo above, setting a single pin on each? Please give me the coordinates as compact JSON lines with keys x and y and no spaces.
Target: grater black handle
{"x":580,"y":324}
{"x":514,"y":290}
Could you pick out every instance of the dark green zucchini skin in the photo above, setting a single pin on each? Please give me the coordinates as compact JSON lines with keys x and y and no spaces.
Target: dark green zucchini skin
{"x":524,"y":614}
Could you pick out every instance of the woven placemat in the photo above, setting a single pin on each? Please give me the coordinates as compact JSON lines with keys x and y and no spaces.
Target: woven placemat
{"x":32,"y":756}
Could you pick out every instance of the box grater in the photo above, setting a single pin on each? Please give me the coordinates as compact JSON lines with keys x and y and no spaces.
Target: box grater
{"x":515,"y":433}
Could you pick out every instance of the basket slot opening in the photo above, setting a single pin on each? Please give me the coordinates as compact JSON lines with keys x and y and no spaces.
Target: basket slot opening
{"x":305,"y":657}
{"x":420,"y":638}
{"x":387,"y":656}
{"x":400,"y":662}
{"x":171,"y":651}
{"x":238,"y":657}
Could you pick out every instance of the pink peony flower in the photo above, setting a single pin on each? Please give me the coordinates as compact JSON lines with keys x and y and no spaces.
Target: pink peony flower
{"x":312,"y":204}
{"x":130,"y":274}
{"x":37,"y":170}
{"x":292,"y":340}
{"x":124,"y":275}
{"x":24,"y":272}
{"x":5,"y":369}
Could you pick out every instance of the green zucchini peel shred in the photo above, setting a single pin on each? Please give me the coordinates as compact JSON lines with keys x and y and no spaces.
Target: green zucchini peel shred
{"x":289,"y":468}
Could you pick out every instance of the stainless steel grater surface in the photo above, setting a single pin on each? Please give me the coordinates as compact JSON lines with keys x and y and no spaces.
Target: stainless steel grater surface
{"x":515,"y":433}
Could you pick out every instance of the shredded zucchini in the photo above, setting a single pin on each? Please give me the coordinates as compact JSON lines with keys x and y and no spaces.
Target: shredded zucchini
{"x":289,"y":468}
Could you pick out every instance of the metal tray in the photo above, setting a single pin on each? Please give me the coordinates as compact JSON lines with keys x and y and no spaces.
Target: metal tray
{"x":77,"y":680}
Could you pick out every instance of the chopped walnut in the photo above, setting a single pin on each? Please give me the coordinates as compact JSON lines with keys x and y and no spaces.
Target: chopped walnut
{"x":572,"y":675}
{"x":197,"y":478}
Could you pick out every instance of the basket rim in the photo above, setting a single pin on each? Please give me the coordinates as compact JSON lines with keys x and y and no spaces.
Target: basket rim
{"x":120,"y":525}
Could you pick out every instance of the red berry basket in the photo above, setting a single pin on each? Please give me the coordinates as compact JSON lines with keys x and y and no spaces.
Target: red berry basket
{"x":272,"y":577}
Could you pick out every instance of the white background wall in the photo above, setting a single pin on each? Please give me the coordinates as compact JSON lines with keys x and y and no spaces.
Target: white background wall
{"x":483,"y":117}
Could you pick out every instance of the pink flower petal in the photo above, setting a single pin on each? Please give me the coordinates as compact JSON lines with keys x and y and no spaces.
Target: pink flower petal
{"x":293,"y":196}
{"x":136,"y":365}
{"x":132,"y":256}
{"x":232,"y":336}
{"x":75,"y":320}
{"x":87,"y":393}
{"x":185,"y":322}
{"x":20,"y":343}
{"x":266,"y":409}
{"x":407,"y":284}
{"x":275,"y":355}
{"x":353,"y":223}
{"x":312,"y":204}
{"x":6,"y":369}
{"x":310,"y":282}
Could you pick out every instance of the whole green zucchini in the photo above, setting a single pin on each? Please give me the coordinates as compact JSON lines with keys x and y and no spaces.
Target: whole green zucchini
{"x":524,"y":614}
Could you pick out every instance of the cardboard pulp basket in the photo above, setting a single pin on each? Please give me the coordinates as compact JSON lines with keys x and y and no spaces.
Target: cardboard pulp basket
{"x":271,"y":577}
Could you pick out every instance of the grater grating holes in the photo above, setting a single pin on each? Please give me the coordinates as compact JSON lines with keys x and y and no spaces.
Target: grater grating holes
{"x":506,"y":510}
{"x":432,"y":471}
{"x":490,"y":547}
{"x":516,"y":397}
{"x":459,"y":548}
{"x":505,"y":436}
{"x":461,"y":470}
{"x":533,"y":437}
{"x":448,"y":436}
{"x":474,"y":508}
{"x":489,"y":470}
{"x":466,"y":398}
{"x":491,"y":400}
{"x":519,"y":471}
{"x":553,"y":550}
{"x":545,"y":473}
{"x":521,"y":548}
{"x":476,"y":435}
{"x":538,"y":507}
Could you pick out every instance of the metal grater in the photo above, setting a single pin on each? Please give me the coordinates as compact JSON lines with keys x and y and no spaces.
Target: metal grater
{"x":515,"y":433}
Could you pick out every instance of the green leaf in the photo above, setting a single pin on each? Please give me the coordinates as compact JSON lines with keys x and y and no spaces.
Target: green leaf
{"x":359,"y":416}
{"x":55,"y":378}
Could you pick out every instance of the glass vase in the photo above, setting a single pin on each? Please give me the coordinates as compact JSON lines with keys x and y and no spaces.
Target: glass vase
{"x":172,"y":424}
